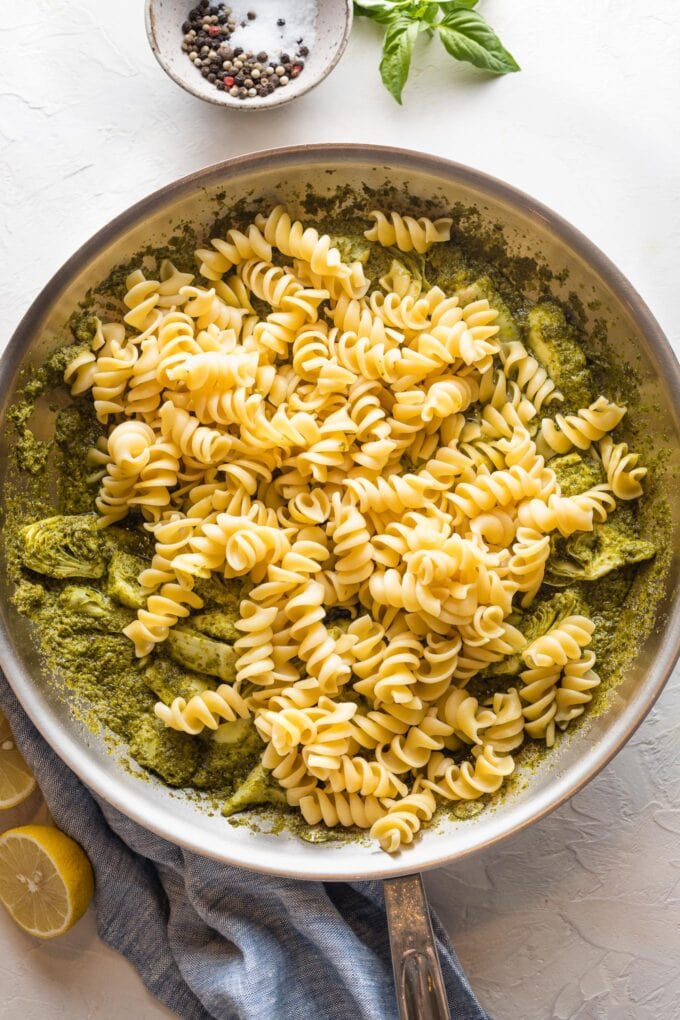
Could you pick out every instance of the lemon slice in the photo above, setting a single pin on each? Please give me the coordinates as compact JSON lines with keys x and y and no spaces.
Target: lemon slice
{"x":46,"y":880}
{"x":16,"y":782}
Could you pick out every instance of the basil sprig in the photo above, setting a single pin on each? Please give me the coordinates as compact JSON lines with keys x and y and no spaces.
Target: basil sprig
{"x":463,"y":31}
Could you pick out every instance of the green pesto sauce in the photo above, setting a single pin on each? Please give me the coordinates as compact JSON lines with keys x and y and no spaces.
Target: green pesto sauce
{"x":78,"y":621}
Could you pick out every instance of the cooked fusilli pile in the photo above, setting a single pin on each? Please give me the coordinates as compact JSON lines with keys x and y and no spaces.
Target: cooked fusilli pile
{"x":378,"y":449}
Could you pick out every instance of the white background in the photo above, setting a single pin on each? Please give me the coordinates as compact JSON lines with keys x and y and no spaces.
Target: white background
{"x":578,"y":916}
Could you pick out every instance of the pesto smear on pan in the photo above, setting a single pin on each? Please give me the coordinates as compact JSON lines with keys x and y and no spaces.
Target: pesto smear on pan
{"x":78,"y":583}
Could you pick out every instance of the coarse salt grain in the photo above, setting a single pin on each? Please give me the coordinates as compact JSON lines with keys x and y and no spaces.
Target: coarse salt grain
{"x":263,"y":33}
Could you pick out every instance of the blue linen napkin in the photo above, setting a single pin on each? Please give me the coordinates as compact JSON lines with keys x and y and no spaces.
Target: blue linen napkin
{"x":213,"y":941}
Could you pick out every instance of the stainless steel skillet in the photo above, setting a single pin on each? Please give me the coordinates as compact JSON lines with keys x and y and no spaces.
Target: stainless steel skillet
{"x":529,"y":228}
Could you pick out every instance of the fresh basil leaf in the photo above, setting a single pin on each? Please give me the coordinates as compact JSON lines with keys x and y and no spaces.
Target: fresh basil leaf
{"x":467,"y":36}
{"x":377,"y":10}
{"x":400,"y":38}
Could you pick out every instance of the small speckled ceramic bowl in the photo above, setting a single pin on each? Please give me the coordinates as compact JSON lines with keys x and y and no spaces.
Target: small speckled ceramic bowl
{"x":164,"y":20}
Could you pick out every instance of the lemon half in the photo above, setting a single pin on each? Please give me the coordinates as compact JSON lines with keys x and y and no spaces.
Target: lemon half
{"x":46,"y":879}
{"x":16,"y":781}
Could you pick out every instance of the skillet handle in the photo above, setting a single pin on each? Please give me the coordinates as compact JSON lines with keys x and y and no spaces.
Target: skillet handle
{"x":417,"y":975}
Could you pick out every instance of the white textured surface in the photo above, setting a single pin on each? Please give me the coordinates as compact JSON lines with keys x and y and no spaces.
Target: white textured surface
{"x":577,"y":917}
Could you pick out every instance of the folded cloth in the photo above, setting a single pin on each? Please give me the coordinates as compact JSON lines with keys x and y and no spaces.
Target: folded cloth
{"x":210,"y":940}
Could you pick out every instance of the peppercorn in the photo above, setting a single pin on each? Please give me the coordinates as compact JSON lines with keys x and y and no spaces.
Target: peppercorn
{"x":284,"y":58}
{"x":284,"y":80}
{"x":279,"y":70}
{"x":228,"y":80}
{"x":213,"y":30}
{"x":186,"y":26}
{"x":263,"y":57}
{"x":242,"y":93}
{"x":251,"y":15}
{"x":303,"y":51}
{"x":248,"y":82}
{"x":233,"y":91}
{"x":295,"y":71}
{"x":238,"y":51}
{"x":239,"y":79}
{"x":212,"y":78}
{"x":281,"y":22}
{"x":205,"y":72}
{"x":219,"y":86}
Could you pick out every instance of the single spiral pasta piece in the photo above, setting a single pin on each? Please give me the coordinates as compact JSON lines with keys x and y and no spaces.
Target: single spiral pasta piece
{"x":353,"y":315}
{"x":506,"y":733}
{"x":466,"y":718}
{"x":583,"y":429}
{"x":207,"y":446}
{"x":407,"y":233}
{"x":255,"y":663}
{"x":345,"y":809}
{"x":498,"y":488}
{"x":141,"y":298}
{"x":316,"y":646}
{"x":568,"y":514}
{"x":129,"y":446}
{"x":296,"y":241}
{"x":575,"y":689}
{"x":414,"y":750}
{"x":561,"y":644}
{"x":203,"y":710}
{"x":156,"y":479}
{"x":530,"y":553}
{"x":532,"y":378}
{"x":352,"y":546}
{"x":217,"y":371}
{"x":172,"y":602}
{"x":79,"y":374}
{"x":403,"y":820}
{"x":112,"y":374}
{"x":623,"y":474}
{"x":290,"y":772}
{"x":367,"y":778}
{"x":473,"y":779}
{"x":236,"y":247}
{"x":362,"y":356}
{"x":540,"y":693}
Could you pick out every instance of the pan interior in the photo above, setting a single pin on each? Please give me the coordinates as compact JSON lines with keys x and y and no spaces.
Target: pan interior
{"x":355,"y":176}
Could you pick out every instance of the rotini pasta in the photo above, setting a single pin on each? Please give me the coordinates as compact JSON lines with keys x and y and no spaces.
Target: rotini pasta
{"x":365,"y":475}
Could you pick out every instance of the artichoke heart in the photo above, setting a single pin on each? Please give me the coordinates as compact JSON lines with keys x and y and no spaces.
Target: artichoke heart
{"x":64,"y":546}
{"x":590,"y":555}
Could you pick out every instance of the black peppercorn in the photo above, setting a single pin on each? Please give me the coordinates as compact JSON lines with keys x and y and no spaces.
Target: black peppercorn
{"x":220,"y":86}
{"x":303,"y":51}
{"x":239,"y":80}
{"x":263,"y":57}
{"x":251,"y":15}
{"x":238,"y":51}
{"x":284,"y":59}
{"x":205,"y":72}
{"x":281,"y":22}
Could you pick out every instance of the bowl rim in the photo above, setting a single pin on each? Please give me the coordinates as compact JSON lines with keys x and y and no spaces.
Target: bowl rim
{"x":254,"y":105}
{"x":558,"y":790}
